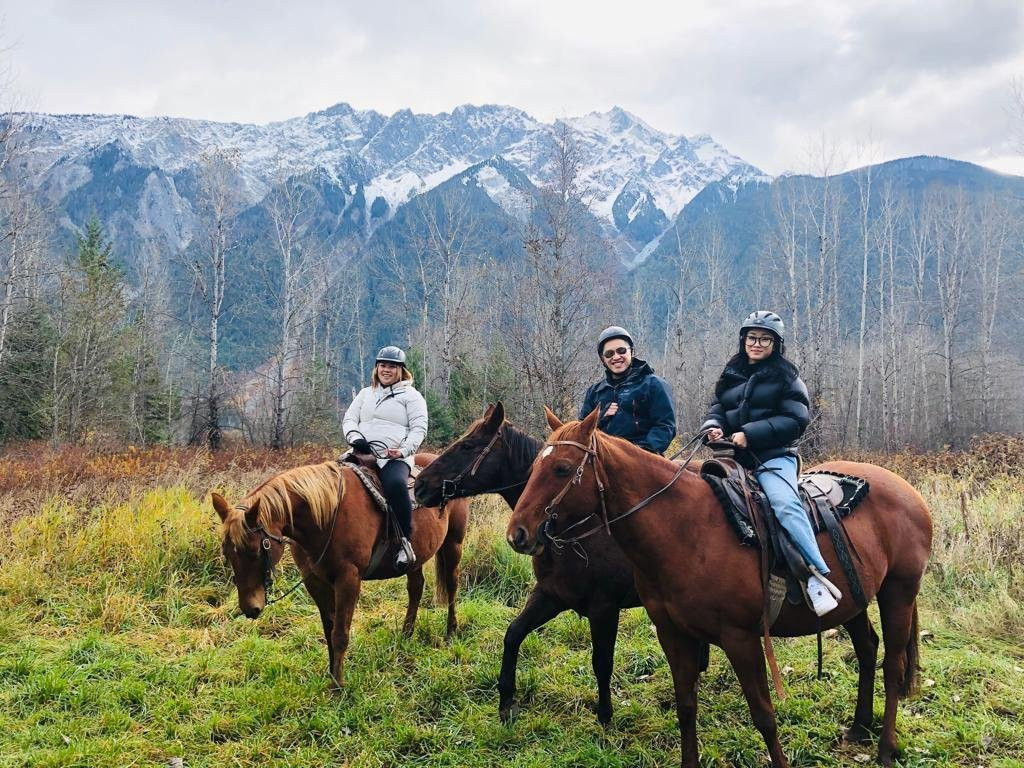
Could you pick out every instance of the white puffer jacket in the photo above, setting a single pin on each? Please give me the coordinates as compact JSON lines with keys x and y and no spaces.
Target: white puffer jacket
{"x":395,"y":415}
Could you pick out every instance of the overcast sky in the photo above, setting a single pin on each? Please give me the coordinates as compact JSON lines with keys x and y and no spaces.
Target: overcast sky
{"x":766,"y":79}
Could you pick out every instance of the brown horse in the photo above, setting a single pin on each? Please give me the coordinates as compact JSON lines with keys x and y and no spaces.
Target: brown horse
{"x":697,"y":583}
{"x":326,"y":516}
{"x":493,"y":456}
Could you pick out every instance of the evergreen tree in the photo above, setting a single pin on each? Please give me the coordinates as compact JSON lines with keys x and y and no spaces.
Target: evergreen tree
{"x":92,"y":367}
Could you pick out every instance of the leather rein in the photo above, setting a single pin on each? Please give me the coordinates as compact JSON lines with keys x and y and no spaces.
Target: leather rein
{"x":590,"y":455}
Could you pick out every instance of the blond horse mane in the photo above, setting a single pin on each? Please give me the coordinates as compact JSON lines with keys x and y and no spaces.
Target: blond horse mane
{"x":321,"y":486}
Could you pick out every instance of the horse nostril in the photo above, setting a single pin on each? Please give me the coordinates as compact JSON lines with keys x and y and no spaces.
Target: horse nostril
{"x":519,"y":541}
{"x":252,"y":612}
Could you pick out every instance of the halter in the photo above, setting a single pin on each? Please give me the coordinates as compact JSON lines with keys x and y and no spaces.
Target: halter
{"x":452,"y":488}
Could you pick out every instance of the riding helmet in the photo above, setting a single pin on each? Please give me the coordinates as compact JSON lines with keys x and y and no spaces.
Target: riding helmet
{"x":613,"y":332}
{"x":391,"y":355}
{"x":766,"y":321}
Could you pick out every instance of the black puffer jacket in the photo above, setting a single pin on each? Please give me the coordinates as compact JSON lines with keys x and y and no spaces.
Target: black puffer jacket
{"x":766,"y":402}
{"x":645,"y":417}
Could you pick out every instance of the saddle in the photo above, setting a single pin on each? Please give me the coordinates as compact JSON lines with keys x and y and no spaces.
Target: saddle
{"x":827,"y":498}
{"x":365,"y":468}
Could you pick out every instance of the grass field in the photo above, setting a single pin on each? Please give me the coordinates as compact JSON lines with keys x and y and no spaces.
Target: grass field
{"x":121,"y":643}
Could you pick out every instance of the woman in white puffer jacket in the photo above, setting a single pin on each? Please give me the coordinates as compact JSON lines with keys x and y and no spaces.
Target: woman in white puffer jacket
{"x":391,"y":412}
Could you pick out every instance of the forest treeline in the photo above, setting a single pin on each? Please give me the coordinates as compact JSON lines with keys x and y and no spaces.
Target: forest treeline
{"x":903,"y":308}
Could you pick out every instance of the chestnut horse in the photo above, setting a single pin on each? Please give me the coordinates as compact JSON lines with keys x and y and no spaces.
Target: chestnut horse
{"x":493,"y":456}
{"x":330,"y":522}
{"x":698,"y":584}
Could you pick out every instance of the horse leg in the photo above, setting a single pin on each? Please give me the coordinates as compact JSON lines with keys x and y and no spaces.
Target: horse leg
{"x":898,"y":611}
{"x":539,"y":610}
{"x":323,"y":595}
{"x":865,"y":644}
{"x":604,"y":628}
{"x":448,"y":559}
{"x":414,"y":587}
{"x":346,"y":595}
{"x":747,"y":659}
{"x":685,"y":658}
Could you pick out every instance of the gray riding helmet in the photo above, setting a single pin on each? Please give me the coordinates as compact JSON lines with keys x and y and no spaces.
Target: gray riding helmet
{"x":765,"y":321}
{"x":614,"y":332}
{"x":391,"y":355}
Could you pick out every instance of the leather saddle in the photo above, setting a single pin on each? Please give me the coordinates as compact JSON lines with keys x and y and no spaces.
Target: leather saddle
{"x":366,"y":469}
{"x":827,"y":498}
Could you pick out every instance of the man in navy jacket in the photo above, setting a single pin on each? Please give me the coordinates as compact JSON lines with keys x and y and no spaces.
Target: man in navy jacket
{"x":635,"y":404}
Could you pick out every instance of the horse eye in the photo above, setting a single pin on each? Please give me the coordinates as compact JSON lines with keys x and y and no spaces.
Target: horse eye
{"x":466,"y":447}
{"x":563,"y":469}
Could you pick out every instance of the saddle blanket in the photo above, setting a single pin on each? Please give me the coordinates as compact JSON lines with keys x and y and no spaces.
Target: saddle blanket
{"x":371,"y":480}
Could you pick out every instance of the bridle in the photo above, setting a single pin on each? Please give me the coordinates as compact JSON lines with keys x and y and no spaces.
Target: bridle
{"x":590,"y":455}
{"x":266,"y":537}
{"x":451,"y":488}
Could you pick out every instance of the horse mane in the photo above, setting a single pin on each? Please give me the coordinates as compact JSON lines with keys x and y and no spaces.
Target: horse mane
{"x":321,"y":486}
{"x":522,"y":447}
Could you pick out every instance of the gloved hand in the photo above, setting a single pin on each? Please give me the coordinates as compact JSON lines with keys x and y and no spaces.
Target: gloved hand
{"x":361,"y":446}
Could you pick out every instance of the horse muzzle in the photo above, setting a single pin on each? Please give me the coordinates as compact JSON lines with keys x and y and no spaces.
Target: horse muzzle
{"x":520,"y":540}
{"x":425,"y":495}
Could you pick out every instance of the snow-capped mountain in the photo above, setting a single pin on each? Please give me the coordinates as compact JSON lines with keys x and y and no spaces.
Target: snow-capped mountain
{"x":636,"y":177}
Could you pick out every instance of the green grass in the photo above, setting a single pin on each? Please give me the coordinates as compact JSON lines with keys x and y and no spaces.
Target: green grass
{"x":121,"y":645}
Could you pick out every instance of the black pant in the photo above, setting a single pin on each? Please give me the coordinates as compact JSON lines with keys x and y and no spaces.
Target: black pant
{"x":393,"y":477}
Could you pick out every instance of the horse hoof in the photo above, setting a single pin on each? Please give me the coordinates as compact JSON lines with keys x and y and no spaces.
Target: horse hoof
{"x":857,"y":734}
{"x":508,"y":714}
{"x":887,"y":756}
{"x":407,"y":630}
{"x":604,"y":718}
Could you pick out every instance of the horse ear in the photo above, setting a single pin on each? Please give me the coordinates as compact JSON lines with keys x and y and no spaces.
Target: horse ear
{"x":495,"y":415}
{"x":221,"y":505}
{"x":589,"y":424}
{"x":553,"y":421}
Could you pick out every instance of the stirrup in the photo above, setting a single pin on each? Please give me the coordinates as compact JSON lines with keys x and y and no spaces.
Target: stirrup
{"x":820,"y":597}
{"x":826,"y":583}
{"x":406,"y":556}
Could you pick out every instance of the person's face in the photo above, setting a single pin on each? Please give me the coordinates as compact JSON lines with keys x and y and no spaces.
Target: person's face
{"x":758,"y":345}
{"x":616,"y":355}
{"x":388,"y":373}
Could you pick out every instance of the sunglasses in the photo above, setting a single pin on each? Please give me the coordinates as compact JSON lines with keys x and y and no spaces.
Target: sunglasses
{"x":610,"y":353}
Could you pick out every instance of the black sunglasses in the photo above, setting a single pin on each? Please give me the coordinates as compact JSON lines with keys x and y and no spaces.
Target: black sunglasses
{"x":610,"y":353}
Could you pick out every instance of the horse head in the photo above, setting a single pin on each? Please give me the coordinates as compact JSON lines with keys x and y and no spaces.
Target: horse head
{"x":252,"y":545}
{"x":561,"y":493}
{"x":463,"y":469}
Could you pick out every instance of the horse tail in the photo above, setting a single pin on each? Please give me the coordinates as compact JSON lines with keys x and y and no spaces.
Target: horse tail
{"x":441,"y":568}
{"x":909,"y":685}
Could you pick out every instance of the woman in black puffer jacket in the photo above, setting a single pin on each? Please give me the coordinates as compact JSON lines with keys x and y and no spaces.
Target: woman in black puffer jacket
{"x":761,"y":405}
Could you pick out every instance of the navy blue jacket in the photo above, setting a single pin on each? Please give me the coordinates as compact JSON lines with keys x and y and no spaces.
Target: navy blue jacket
{"x":766,"y":403}
{"x":646,"y":416}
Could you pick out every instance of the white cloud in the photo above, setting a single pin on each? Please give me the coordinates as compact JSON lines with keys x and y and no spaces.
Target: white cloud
{"x":919,"y":76}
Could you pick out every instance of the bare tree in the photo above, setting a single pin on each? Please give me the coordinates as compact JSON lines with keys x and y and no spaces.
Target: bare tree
{"x":553,"y":297}
{"x":217,"y":207}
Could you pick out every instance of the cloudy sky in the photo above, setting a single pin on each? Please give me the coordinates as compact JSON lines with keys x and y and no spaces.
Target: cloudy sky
{"x":768,"y":79}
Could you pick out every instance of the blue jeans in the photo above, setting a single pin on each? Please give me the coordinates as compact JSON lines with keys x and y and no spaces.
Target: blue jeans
{"x":780,"y":488}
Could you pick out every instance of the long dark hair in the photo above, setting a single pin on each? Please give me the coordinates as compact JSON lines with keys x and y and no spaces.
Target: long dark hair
{"x":777,"y":362}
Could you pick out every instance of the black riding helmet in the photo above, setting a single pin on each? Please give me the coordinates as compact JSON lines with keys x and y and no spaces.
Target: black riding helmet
{"x":391,"y":354}
{"x":613,"y":332}
{"x":765,"y":321}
